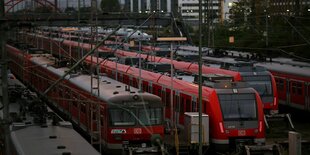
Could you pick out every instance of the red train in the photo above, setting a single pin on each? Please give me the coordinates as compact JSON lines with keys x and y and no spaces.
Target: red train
{"x":235,"y":112}
{"x":127,"y":117}
{"x":260,"y":80}
{"x":293,"y":83}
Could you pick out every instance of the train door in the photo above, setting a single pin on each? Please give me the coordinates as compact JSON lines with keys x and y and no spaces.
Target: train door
{"x":168,"y":107}
{"x":185,"y":105}
{"x":178,"y":108}
{"x":150,"y":89}
{"x":194,"y":104}
{"x":104,"y":122}
{"x":145,"y":86}
{"x":157,"y":90}
{"x":282,"y":88}
{"x":288,"y":90}
{"x":307,"y":96}
{"x":297,"y":93}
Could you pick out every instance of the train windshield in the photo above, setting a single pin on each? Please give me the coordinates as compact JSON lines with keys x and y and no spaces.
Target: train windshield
{"x":238,"y":106}
{"x":262,"y":84}
{"x":130,"y":117}
{"x":151,"y":116}
{"x":122,"y":117}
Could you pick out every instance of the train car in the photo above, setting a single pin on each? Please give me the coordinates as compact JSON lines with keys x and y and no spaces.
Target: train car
{"x":257,"y":77}
{"x":124,"y":116}
{"x":293,"y":84}
{"x":228,"y":128}
{"x":185,"y":99}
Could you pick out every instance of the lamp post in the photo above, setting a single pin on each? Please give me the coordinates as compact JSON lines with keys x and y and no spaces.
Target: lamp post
{"x":266,"y":31}
{"x":200,"y":73}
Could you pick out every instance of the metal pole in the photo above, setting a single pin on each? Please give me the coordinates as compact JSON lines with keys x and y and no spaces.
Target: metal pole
{"x":140,"y":84}
{"x":266,"y":18}
{"x":171,"y":83}
{"x":4,"y":83}
{"x":79,"y":11}
{"x":200,"y":77}
{"x":266,"y":29}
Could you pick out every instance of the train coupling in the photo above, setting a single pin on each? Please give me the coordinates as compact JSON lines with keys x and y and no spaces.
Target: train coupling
{"x":279,"y":117}
{"x":143,"y":149}
{"x":273,"y":149}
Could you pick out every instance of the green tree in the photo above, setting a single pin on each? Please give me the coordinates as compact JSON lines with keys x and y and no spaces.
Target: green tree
{"x":110,"y":5}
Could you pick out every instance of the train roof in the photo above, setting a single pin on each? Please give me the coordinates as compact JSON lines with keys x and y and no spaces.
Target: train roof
{"x":286,"y":68}
{"x":225,"y":60}
{"x":183,"y":66}
{"x":35,"y":139}
{"x":178,"y":85}
{"x":32,"y":137}
{"x":186,"y":53}
{"x":291,"y":62}
{"x":109,"y":89}
{"x":192,"y":48}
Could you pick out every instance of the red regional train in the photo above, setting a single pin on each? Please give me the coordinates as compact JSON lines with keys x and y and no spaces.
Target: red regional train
{"x":262,"y":81}
{"x":235,"y":112}
{"x":292,"y":77}
{"x":293,"y":83}
{"x":128,"y":118}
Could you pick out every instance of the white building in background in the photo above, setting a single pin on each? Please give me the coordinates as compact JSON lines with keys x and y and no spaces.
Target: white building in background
{"x":150,"y":5}
{"x":218,"y":10}
{"x":190,"y":10}
{"x":227,"y":6}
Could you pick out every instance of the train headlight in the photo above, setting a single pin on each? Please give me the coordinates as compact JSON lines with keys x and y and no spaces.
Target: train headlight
{"x":135,"y":97}
{"x":256,"y":131}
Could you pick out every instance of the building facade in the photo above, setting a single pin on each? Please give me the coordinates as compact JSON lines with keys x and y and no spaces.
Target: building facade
{"x":145,"y":6}
{"x":288,"y":7}
{"x":212,"y":10}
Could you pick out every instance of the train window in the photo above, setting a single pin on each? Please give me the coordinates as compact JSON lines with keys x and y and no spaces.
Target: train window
{"x":178,"y":106}
{"x":94,"y":115}
{"x":152,"y":116}
{"x":83,"y":108}
{"x":280,"y":84}
{"x":238,"y":106}
{"x":204,"y":109}
{"x":150,"y":89}
{"x":159,"y":93}
{"x":181,"y":104}
{"x":135,"y":82}
{"x":101,"y":120}
{"x":297,"y":88}
{"x":122,"y":117}
{"x":145,"y":87}
{"x":168,"y":99}
{"x":194,"y":105}
{"x":188,"y":105}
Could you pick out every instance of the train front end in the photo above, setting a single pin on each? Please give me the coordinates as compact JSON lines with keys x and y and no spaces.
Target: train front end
{"x":239,"y":118}
{"x":135,"y":123}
